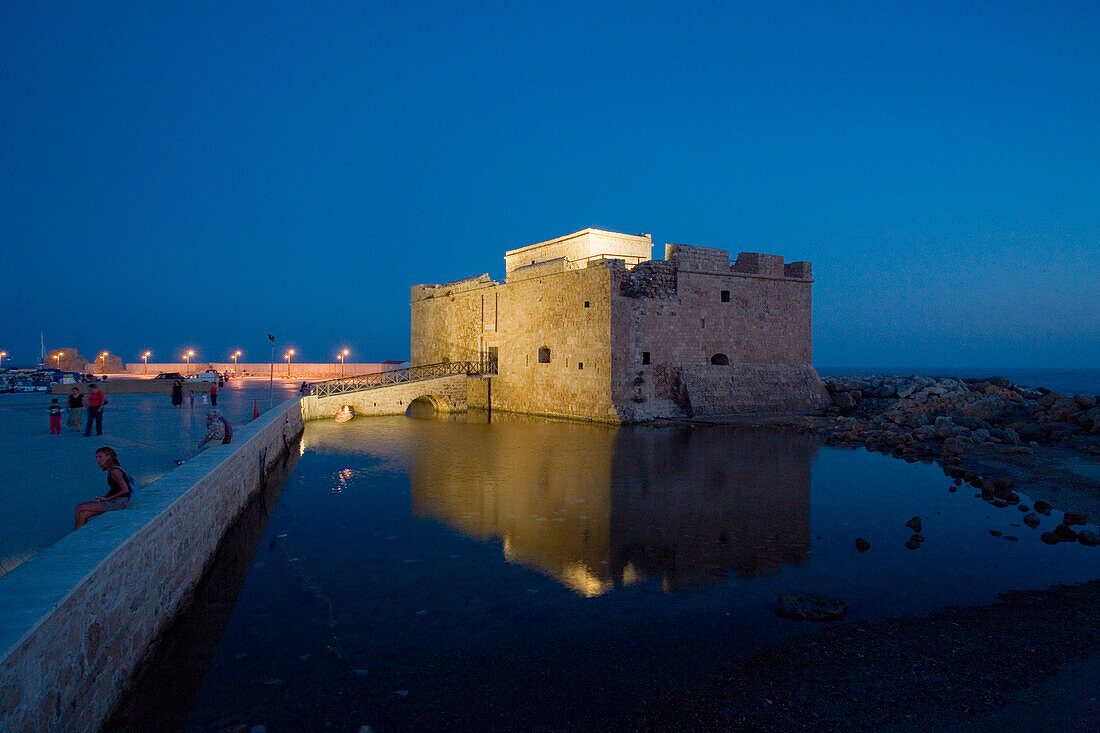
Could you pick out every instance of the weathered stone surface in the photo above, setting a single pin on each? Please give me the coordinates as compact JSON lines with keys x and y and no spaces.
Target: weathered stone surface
{"x":1088,"y":537}
{"x":810,"y":607}
{"x":1064,"y":533}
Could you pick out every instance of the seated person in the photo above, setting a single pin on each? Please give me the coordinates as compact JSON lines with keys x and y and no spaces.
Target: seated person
{"x":215,"y":430}
{"x":117,"y":498}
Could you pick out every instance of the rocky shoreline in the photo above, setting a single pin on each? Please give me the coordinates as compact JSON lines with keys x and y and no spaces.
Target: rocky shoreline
{"x":1030,"y":661}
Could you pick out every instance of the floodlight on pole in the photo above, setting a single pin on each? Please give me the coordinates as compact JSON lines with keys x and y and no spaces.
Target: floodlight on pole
{"x":271,"y":379}
{"x":188,"y":356}
{"x":145,"y":358}
{"x":288,"y":356}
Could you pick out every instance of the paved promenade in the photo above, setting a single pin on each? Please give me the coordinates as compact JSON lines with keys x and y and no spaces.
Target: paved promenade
{"x":43,"y":476}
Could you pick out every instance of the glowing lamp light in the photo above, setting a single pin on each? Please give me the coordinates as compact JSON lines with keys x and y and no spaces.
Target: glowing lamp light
{"x":145,"y":358}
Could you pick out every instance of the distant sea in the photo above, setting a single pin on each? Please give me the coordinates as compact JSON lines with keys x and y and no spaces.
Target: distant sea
{"x":1066,"y":381}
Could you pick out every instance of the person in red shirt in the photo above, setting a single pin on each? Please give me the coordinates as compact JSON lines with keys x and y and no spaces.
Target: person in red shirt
{"x":214,"y":393}
{"x":95,"y":402}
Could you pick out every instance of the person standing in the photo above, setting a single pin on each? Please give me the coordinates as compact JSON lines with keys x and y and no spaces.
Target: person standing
{"x":76,"y":409}
{"x":55,"y":417}
{"x":96,"y":401}
{"x":191,"y":396}
{"x":214,"y":394}
{"x":177,"y":393}
{"x":118,"y":497}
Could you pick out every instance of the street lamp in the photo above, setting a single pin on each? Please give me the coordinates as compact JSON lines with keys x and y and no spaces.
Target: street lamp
{"x":288,"y":357}
{"x":235,"y":355}
{"x":57,"y":360}
{"x":145,"y":358}
{"x":103,"y":363}
{"x":188,"y":356}
{"x":341,"y":356}
{"x":3,"y":355}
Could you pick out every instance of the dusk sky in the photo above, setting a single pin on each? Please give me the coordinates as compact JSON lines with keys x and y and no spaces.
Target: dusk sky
{"x":198,"y":175}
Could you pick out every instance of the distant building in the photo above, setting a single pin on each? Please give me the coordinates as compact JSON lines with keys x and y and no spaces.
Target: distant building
{"x":587,"y":326}
{"x":67,"y":359}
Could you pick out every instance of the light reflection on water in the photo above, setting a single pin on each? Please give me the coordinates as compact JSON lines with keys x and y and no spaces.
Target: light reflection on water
{"x":421,"y":574}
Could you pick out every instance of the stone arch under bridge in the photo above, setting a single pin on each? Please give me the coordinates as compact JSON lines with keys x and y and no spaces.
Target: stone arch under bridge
{"x":447,"y":394}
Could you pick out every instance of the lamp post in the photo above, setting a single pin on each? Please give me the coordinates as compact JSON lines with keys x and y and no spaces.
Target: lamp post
{"x":288,"y":356}
{"x":235,"y":355}
{"x":57,"y":360}
{"x":271,"y":380}
{"x":145,"y":358}
{"x":3,"y":355}
{"x":188,"y":356}
{"x":341,"y":357}
{"x":103,"y":363}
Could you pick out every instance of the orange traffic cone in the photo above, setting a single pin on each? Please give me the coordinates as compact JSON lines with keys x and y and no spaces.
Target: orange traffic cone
{"x":255,"y":409}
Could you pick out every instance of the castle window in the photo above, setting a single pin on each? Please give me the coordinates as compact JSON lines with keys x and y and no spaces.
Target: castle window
{"x":725,"y":296}
{"x":544,"y":355}
{"x":580,"y":365}
{"x":586,"y":304}
{"x":645,"y":357}
{"x":720,"y":360}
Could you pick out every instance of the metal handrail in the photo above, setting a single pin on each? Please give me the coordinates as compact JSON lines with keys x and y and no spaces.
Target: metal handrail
{"x":400,"y":376}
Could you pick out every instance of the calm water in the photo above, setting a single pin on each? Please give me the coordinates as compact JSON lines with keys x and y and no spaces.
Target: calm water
{"x":437,"y":574}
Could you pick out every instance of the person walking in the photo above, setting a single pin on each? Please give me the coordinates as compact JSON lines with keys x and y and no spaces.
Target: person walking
{"x":118,"y":483}
{"x":76,"y":409}
{"x":214,"y":394}
{"x":96,"y":401}
{"x":55,"y":417}
{"x":177,"y":393}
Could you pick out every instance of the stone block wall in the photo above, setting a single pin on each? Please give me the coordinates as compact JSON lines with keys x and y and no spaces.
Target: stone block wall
{"x":78,"y":618}
{"x":448,"y":394}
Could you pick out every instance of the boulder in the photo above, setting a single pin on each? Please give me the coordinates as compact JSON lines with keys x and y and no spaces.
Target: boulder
{"x":1085,"y":402}
{"x":1064,"y":533}
{"x":1088,"y":538}
{"x":1032,"y":520}
{"x":1050,"y":538}
{"x":1043,"y":507}
{"x":862,"y":545}
{"x":1074,"y":518}
{"x":914,"y":524}
{"x":810,"y":607}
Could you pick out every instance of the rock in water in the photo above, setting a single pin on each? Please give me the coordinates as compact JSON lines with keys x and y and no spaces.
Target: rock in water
{"x":1031,"y":520}
{"x":914,"y":524}
{"x":1074,"y":518}
{"x":1064,"y":533}
{"x":1088,"y":537}
{"x":1042,"y":507}
{"x":810,"y":607}
{"x":862,"y":545}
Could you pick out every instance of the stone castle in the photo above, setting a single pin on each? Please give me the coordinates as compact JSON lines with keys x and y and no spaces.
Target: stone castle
{"x":587,"y":326}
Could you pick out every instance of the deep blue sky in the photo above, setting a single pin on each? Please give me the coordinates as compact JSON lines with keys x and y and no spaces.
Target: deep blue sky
{"x":198,"y":175}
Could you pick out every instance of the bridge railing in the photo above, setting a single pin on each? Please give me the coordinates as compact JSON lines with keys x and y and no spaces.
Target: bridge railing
{"x":400,"y":376}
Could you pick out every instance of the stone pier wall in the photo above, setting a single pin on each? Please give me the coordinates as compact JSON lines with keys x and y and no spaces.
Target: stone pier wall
{"x":77,"y":619}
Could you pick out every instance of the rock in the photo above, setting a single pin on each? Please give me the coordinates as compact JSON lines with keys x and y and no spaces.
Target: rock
{"x":1050,"y":538}
{"x":914,"y":524}
{"x":1088,"y":538}
{"x":995,"y":532}
{"x":1003,"y":483}
{"x":1074,"y":518}
{"x":1085,"y":402}
{"x":912,"y":544}
{"x":810,"y":607}
{"x":1043,"y":508}
{"x":1012,"y":498}
{"x":844,"y":401}
{"x":1032,"y":520}
{"x":862,"y":545}
{"x":917,"y":538}
{"x":1064,"y":533}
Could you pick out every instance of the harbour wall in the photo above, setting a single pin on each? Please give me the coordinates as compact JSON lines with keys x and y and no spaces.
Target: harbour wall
{"x":77,"y":619}
{"x":303,"y":370}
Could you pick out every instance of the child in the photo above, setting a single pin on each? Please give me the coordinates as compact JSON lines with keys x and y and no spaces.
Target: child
{"x":55,"y":417}
{"x":192,"y":396}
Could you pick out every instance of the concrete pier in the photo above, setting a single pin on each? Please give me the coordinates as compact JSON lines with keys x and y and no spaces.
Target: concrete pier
{"x":79,"y":617}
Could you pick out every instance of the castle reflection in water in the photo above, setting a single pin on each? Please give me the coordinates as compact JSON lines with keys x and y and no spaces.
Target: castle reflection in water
{"x":597,"y":507}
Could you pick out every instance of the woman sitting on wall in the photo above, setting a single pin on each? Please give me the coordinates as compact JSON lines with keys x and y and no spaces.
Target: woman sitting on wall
{"x":117,"y":481}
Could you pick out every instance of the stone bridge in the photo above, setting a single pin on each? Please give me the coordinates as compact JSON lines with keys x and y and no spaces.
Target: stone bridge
{"x":446,"y":393}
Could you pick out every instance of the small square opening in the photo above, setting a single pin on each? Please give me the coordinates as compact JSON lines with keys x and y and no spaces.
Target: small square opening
{"x":725,"y":296}
{"x":645,"y":357}
{"x":586,"y":304}
{"x":580,"y":365}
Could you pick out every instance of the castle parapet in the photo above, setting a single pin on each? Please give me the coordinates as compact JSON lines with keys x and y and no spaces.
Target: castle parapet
{"x":421,"y":292}
{"x":698,"y":259}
